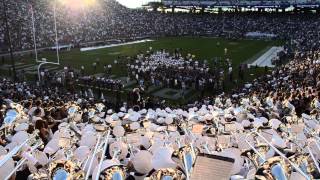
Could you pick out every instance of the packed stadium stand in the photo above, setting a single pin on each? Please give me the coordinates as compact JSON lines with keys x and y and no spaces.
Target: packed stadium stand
{"x":266,"y":129}
{"x":244,"y":3}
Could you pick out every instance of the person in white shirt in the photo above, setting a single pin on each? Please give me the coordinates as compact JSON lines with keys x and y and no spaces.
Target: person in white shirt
{"x":38,"y":104}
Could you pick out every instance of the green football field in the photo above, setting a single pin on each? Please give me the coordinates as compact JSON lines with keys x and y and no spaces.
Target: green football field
{"x":203,"y":48}
{"x":239,"y":51}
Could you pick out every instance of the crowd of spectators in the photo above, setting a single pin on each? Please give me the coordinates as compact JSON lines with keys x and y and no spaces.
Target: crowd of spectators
{"x":108,"y":20}
{"x":282,"y":107}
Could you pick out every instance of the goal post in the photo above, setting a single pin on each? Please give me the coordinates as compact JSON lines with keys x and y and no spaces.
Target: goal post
{"x":56,"y":47}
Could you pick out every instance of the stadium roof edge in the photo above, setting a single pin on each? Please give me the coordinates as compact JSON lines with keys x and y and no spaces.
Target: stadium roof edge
{"x":245,"y":3}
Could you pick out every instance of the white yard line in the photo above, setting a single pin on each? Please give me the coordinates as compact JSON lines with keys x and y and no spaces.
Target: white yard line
{"x":266,"y":58}
{"x":114,"y":45}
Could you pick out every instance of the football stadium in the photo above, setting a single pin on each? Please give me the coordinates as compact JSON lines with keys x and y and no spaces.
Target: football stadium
{"x":159,"y":89}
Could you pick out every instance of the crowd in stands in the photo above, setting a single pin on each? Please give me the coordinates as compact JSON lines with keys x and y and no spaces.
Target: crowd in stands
{"x":96,"y":138}
{"x":282,"y":107}
{"x":109,"y":20}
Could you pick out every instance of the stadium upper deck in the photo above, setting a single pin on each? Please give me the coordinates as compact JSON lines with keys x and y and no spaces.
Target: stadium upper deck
{"x":244,"y":3}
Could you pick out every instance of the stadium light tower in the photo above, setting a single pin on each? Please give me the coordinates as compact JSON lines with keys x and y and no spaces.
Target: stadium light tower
{"x":55,"y":30}
{"x":34,"y":32}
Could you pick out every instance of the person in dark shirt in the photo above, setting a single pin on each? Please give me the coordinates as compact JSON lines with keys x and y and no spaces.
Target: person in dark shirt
{"x":42,"y":126}
{"x":52,"y":124}
{"x":1,"y":117}
{"x":136,"y":96}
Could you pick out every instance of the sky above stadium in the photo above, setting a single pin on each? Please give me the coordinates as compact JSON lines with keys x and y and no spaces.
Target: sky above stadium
{"x":133,"y":3}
